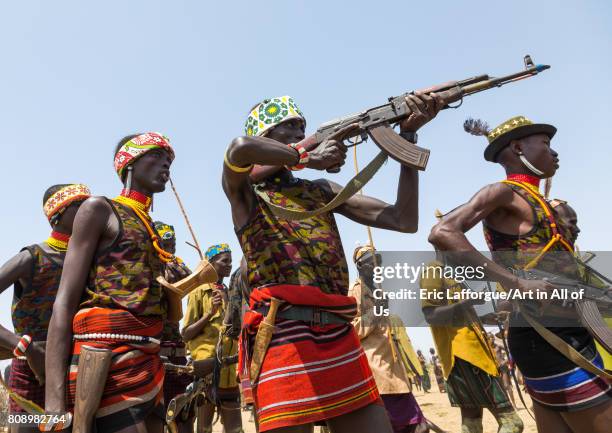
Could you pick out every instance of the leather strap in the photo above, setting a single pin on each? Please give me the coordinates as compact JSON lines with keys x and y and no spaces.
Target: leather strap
{"x":566,"y":350}
{"x":351,"y":188}
{"x":308,"y":314}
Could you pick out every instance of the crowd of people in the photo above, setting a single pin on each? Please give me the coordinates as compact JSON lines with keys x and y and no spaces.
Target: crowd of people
{"x":288,"y":335}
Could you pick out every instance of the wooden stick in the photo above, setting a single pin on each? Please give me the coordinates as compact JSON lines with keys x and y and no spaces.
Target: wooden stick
{"x":180,"y":203}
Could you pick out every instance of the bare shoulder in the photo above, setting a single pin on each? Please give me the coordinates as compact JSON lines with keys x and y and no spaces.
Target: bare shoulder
{"x":94,"y":213}
{"x":95,"y":206}
{"x":498,"y":191}
{"x":23,"y":259}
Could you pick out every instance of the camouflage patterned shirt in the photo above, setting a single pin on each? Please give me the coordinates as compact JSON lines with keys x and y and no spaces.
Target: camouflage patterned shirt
{"x":123,"y":276}
{"x":307,"y":252}
{"x":33,"y":303}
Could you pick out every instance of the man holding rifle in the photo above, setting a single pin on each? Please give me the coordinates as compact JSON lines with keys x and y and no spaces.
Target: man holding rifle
{"x":308,"y":365}
{"x":520,"y":227}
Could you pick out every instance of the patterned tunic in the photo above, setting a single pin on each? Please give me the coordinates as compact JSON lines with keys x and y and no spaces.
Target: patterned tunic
{"x":534,"y":356}
{"x":123,"y":276}
{"x":307,"y":252}
{"x":31,"y":313}
{"x":33,"y":303}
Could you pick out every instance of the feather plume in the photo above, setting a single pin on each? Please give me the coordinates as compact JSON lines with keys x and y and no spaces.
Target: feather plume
{"x":476,"y":127}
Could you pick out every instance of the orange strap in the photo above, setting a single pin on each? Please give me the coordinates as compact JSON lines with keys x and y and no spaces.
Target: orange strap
{"x":164,"y":255}
{"x":144,"y":217}
{"x":557,"y":237}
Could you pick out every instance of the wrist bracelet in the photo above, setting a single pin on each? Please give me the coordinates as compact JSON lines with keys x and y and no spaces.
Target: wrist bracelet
{"x":303,"y":157}
{"x":22,"y":346}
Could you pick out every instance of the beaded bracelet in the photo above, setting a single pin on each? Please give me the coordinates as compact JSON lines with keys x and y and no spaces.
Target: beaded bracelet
{"x":22,"y":346}
{"x":304,"y":157}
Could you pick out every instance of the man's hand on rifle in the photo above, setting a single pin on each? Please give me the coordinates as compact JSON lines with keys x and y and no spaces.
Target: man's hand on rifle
{"x":330,"y":154}
{"x":423,"y":108}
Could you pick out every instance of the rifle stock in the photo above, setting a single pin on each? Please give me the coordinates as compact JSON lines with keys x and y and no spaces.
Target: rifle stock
{"x":181,"y":401}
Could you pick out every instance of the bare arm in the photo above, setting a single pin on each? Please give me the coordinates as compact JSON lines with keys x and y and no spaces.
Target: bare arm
{"x":244,"y":151}
{"x":402,"y":216}
{"x":17,"y":268}
{"x":449,"y":235}
{"x":89,"y":226}
{"x":192,"y":330}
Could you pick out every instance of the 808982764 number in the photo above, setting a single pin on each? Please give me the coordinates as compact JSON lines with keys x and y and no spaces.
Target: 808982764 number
{"x":34,"y":419}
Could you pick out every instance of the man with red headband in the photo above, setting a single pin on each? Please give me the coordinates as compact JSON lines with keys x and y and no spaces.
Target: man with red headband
{"x":35,"y":274}
{"x":523,"y":231}
{"x":309,"y":367}
{"x":109,"y":297}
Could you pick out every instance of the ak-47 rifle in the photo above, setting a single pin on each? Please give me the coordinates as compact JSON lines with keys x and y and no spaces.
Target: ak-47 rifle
{"x":202,"y":371}
{"x":377,"y":122}
{"x":181,"y":404}
{"x":589,"y":307}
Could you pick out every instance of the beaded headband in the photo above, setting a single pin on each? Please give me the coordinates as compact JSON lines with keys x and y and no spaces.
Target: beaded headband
{"x":138,"y":146}
{"x":64,"y":198}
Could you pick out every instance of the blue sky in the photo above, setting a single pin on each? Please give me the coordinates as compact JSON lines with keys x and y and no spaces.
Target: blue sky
{"x":77,"y":76}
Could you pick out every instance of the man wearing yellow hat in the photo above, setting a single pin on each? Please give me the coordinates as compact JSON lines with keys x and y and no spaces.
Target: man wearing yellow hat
{"x":522,"y":231}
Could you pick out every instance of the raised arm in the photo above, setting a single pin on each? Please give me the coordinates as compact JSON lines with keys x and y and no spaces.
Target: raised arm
{"x":403,"y":215}
{"x":243,"y":152}
{"x":90,"y":224}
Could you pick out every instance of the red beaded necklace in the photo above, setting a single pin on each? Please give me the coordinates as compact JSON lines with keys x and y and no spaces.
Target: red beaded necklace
{"x":58,"y":241}
{"x":525,"y":178}
{"x":135,"y":199}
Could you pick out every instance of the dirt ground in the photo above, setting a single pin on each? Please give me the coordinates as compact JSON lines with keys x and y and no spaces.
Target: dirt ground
{"x":436,"y":407}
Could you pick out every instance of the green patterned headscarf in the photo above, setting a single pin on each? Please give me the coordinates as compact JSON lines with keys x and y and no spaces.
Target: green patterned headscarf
{"x":270,"y":113}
